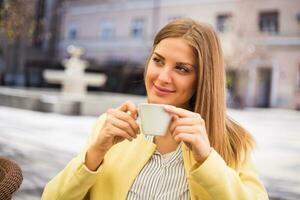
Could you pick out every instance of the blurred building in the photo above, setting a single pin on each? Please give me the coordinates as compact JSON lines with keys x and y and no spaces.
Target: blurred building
{"x":261,"y":39}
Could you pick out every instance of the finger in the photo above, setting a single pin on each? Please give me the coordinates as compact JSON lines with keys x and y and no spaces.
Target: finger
{"x":182,"y":122}
{"x":126,"y":118}
{"x":129,"y":107}
{"x":183,"y":129}
{"x":121,"y":133}
{"x":118,"y":139}
{"x":185,"y":137}
{"x":180,"y":111}
{"x":122,"y":125}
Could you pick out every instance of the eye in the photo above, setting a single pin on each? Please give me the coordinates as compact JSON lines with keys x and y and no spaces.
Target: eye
{"x":158,"y":61}
{"x":182,"y":69}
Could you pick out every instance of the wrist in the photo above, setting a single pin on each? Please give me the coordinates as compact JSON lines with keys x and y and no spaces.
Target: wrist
{"x":94,"y":158}
{"x":201,"y":158}
{"x":98,"y":148}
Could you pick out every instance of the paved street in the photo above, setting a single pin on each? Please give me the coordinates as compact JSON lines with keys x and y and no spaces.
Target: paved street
{"x":42,"y":144}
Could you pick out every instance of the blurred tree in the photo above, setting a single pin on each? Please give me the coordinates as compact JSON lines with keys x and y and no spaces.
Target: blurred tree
{"x":16,"y":28}
{"x":29,"y":32}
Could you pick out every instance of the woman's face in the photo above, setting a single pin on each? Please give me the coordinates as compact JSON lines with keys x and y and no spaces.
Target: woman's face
{"x":171,"y":73}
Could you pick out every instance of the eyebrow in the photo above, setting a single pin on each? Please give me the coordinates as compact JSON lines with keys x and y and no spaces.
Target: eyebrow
{"x":183,"y":63}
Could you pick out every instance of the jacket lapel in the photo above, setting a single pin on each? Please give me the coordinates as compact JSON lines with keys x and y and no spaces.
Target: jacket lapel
{"x":141,"y":150}
{"x":197,"y":192}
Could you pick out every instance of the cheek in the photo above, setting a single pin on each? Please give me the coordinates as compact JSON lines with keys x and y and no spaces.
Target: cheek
{"x":189,"y":88}
{"x":150,"y":74}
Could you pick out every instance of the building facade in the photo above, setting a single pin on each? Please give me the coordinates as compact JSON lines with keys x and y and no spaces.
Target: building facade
{"x":261,"y":39}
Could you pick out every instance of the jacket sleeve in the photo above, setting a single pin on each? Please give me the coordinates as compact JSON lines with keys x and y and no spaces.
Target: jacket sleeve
{"x":75,"y":180}
{"x":223,"y":182}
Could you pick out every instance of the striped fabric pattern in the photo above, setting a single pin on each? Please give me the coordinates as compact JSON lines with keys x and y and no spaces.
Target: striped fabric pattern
{"x":162,"y":178}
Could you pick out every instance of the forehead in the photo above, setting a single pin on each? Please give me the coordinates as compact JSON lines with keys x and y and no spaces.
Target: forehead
{"x":177,"y":49}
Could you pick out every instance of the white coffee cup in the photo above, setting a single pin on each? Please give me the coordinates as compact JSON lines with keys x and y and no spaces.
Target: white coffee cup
{"x":154,"y":119}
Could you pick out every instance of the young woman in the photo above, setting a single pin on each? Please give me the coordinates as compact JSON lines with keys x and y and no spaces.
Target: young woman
{"x":204,"y":155}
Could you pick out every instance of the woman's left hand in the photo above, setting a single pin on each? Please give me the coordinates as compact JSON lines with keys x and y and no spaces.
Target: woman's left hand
{"x":189,"y":127}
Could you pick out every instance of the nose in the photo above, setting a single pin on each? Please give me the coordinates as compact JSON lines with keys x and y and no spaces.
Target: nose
{"x":165,"y":75}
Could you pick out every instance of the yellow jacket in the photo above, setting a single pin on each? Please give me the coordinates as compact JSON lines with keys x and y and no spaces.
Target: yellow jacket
{"x":212,"y":180}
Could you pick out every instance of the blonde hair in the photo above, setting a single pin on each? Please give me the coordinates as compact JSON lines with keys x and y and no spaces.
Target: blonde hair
{"x":227,"y":137}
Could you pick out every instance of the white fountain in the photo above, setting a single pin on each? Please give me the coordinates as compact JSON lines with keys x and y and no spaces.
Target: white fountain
{"x":74,"y":84}
{"x":73,"y":78}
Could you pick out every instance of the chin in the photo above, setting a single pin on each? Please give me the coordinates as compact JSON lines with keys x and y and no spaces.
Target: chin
{"x":158,"y":101}
{"x":161,"y":101}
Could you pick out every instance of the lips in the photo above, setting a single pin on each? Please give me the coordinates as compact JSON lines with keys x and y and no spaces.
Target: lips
{"x":161,"y":91}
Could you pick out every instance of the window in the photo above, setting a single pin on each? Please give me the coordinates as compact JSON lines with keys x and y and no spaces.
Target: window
{"x":137,"y":29}
{"x":73,"y":32}
{"x":268,"y":22}
{"x":298,"y":78}
{"x":107,"y":30}
{"x":1,"y":7}
{"x":298,"y":17}
{"x":1,"y":3}
{"x":223,"y":22}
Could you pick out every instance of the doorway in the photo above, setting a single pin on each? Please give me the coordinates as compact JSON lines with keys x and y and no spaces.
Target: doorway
{"x":263,"y":87}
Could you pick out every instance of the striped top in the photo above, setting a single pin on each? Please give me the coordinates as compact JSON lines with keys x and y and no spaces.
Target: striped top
{"x":162,"y":178}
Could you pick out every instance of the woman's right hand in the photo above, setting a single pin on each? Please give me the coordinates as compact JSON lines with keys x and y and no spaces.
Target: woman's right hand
{"x":119,"y":125}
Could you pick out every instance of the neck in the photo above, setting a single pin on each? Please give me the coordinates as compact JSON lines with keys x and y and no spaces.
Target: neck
{"x":165,"y":144}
